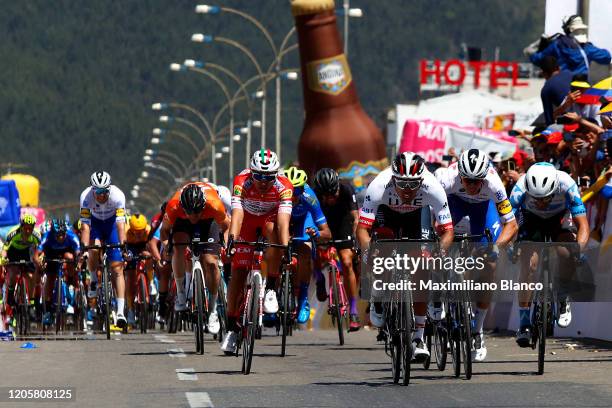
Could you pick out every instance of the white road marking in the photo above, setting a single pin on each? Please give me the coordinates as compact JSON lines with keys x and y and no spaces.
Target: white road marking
{"x":176,"y":353}
{"x":186,"y":374}
{"x":199,"y":400}
{"x":163,"y":339}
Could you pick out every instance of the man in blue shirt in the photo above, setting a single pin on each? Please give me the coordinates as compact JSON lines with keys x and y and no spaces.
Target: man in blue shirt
{"x":556,"y":87}
{"x":572,"y":50}
{"x":59,"y":242}
{"x":307,"y":220}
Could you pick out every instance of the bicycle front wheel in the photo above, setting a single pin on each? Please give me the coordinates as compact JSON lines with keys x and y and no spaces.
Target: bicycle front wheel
{"x":199,"y":310}
{"x":143,"y":319}
{"x":253,"y":321}
{"x":285,"y":311}
{"x":337,"y":306}
{"x":466,"y":338}
{"x":407,"y":324}
{"x":59,"y":300}
{"x":107,"y":301}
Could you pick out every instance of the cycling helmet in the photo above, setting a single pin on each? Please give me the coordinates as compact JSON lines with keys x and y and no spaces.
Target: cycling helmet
{"x":326,"y":180}
{"x":264,"y":161}
{"x":541,"y":180}
{"x":28,"y":219}
{"x":296,"y":176}
{"x":193,"y":199}
{"x":473,"y":164}
{"x":408,"y":166}
{"x":100,"y":179}
{"x":138,"y":222}
{"x":58,"y":226}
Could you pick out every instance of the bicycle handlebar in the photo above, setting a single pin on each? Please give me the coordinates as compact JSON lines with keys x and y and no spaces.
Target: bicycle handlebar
{"x":104,"y":246}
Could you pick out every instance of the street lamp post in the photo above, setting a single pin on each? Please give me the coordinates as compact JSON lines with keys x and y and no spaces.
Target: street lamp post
{"x":201,"y":38}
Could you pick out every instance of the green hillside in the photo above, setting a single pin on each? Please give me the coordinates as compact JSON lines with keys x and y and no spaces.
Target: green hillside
{"x":78,"y":77}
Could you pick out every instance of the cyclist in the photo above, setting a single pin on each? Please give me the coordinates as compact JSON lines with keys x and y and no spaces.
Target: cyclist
{"x":196,"y":209}
{"x":542,"y":197}
{"x":261,"y":199}
{"x":136,"y":240}
{"x":59,"y":243}
{"x":395,"y":199}
{"x":20,"y":244}
{"x":162,"y":260}
{"x":474,"y":188}
{"x":103,"y":221}
{"x":339,"y":205}
{"x":307,"y":220}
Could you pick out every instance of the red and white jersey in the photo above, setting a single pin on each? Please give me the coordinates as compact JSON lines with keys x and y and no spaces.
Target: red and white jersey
{"x":492,"y":189}
{"x":246,"y":196}
{"x":381,"y":191}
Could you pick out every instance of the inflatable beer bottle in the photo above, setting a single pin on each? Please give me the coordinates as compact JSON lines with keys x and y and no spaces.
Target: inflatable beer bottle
{"x":337,"y":132}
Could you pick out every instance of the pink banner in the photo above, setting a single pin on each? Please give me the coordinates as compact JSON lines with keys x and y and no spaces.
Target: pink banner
{"x":431,"y":139}
{"x":424,"y":137}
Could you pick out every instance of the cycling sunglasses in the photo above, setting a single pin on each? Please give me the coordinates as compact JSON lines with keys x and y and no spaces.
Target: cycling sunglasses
{"x":408,"y":184}
{"x":102,"y":191}
{"x":543,"y":200}
{"x":471,"y":180}
{"x":263,"y":177}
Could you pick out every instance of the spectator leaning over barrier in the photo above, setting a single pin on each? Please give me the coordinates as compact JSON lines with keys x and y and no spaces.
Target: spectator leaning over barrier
{"x":572,"y":49}
{"x":555,"y":89}
{"x":586,"y":106}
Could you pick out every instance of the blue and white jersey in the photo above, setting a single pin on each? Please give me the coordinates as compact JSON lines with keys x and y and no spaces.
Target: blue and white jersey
{"x":567,"y":197}
{"x":49,"y":243}
{"x":492,"y":190}
{"x":308,"y":203}
{"x":112,"y":209}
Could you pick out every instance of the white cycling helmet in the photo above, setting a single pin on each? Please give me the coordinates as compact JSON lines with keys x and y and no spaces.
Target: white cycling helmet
{"x":265,"y":161}
{"x":541,"y":180}
{"x":473,"y":164}
{"x":100,"y":179}
{"x":408,"y":166}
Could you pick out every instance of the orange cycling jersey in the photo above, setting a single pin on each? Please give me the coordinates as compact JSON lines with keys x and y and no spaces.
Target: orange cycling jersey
{"x":134,"y":237}
{"x":214,"y":207}
{"x":246,"y":196}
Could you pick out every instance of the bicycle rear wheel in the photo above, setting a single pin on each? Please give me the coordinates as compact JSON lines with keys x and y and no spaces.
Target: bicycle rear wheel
{"x":337,"y":307}
{"x":199,"y":310}
{"x":143,"y":318}
{"x":253,"y":317}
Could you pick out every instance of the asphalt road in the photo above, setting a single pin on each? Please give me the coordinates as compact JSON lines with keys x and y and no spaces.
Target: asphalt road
{"x":158,"y":369}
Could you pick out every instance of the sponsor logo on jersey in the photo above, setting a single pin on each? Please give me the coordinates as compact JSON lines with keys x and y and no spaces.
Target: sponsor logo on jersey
{"x":504,"y":207}
{"x":237,"y":190}
{"x":120,"y":212}
{"x":499,"y":195}
{"x":286,"y":194}
{"x":85,"y":213}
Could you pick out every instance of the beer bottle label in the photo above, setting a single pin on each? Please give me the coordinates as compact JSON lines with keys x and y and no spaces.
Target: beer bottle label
{"x":329,"y":75}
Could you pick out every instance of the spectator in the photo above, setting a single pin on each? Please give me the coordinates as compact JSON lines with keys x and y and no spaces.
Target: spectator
{"x":556,"y":87}
{"x":586,"y":106}
{"x":572,"y":50}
